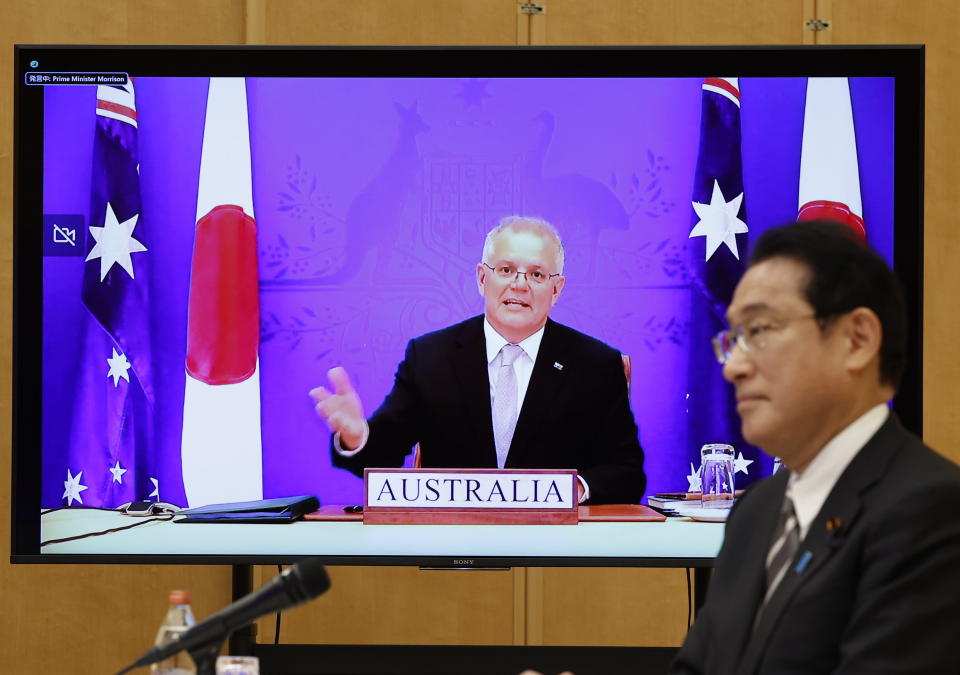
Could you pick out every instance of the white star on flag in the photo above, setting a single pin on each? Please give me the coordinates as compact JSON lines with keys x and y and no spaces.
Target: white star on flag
{"x":693,"y":480}
{"x":115,"y":243}
{"x":118,"y":367}
{"x":72,"y":488}
{"x":741,"y":464}
{"x":156,"y":489}
{"x":117,"y":472}
{"x":719,"y":222}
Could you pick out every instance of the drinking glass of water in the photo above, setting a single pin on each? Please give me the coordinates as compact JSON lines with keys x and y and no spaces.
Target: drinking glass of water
{"x":716,"y":476}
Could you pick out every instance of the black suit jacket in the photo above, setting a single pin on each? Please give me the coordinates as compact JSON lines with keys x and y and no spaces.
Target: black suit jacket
{"x":880,"y":592}
{"x":575,"y":415}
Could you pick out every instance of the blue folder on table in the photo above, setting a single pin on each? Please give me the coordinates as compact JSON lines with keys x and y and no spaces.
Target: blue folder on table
{"x":280,"y":510}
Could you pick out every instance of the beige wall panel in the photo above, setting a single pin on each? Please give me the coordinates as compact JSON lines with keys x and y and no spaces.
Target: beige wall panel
{"x":614,"y":607}
{"x":392,"y":22}
{"x":101,"y":616}
{"x":659,"y":22}
{"x":185,"y":21}
{"x":124,"y":22}
{"x":403,"y":605}
{"x":93,"y":619}
{"x":935,"y":23}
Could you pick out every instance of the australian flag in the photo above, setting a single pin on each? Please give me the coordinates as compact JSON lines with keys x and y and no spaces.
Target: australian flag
{"x":718,"y":247}
{"x":109,"y":460}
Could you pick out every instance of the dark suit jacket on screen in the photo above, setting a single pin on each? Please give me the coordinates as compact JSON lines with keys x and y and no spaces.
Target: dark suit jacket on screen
{"x":575,"y":415}
{"x":879,"y":594}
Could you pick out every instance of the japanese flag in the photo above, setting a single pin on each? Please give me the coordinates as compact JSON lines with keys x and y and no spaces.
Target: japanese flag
{"x":829,"y":174}
{"x":221,"y":448}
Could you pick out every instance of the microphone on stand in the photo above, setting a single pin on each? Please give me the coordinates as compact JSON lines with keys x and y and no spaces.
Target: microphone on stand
{"x":298,"y":584}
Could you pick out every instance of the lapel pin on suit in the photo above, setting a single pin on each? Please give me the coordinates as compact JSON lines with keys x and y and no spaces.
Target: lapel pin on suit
{"x":836,"y":533}
{"x":558,"y":365}
{"x":803,"y":562}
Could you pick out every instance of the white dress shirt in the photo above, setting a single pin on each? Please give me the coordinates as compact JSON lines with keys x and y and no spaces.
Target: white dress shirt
{"x":810,"y":489}
{"x":522,"y":367}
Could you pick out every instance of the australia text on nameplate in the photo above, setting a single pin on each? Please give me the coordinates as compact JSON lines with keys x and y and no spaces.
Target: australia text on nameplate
{"x":395,"y":489}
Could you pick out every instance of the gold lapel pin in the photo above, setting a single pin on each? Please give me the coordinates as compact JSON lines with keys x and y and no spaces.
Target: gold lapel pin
{"x":834,"y":524}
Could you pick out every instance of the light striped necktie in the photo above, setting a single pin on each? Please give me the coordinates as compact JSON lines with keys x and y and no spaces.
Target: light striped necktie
{"x":505,"y":402}
{"x":786,"y":540}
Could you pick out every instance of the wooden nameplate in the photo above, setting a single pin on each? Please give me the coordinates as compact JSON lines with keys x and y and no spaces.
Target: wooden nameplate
{"x":634,"y":513}
{"x":470,"y":497}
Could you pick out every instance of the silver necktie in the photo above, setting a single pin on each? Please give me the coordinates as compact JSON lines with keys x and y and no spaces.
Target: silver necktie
{"x":505,"y":402}
{"x":786,"y":540}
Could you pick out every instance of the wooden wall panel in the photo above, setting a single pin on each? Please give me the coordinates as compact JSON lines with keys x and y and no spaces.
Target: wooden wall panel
{"x":391,"y":22}
{"x":662,"y":22}
{"x":934,"y":23}
{"x":614,"y":607}
{"x":123,"y":22}
{"x":100,"y":616}
{"x":184,"y":21}
{"x":403,"y":605}
{"x":93,"y":619}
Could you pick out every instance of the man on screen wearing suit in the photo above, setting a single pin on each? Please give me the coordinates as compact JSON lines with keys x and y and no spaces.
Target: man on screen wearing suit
{"x":849,"y":561}
{"x":508,"y":389}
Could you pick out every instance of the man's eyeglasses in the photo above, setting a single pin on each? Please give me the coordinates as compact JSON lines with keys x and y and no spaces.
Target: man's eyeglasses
{"x":750,"y":337}
{"x":509,"y":273}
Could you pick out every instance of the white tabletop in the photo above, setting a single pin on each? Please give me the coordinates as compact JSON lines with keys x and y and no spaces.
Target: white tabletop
{"x":670,"y":539}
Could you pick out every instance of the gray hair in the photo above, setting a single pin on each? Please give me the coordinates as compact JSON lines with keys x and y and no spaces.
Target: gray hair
{"x":525,"y":224}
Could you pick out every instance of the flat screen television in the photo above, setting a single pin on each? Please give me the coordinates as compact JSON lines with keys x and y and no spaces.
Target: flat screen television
{"x":368,"y":179}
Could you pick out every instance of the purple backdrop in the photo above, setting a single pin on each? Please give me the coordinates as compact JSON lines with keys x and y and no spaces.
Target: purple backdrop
{"x":372,"y":198}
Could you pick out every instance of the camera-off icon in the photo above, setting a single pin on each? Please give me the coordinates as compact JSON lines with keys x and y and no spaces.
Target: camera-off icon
{"x":63,"y":235}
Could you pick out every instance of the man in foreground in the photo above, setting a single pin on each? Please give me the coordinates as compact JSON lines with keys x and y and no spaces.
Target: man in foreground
{"x":849,"y":561}
{"x":509,"y":389}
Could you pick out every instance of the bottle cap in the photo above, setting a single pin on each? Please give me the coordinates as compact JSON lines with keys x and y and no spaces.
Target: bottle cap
{"x":179,"y":597}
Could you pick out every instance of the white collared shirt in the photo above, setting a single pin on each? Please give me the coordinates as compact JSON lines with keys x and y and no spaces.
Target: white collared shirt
{"x":522,"y":367}
{"x":810,"y":489}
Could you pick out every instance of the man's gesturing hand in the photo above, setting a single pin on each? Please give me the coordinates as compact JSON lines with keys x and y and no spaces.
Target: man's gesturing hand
{"x":341,"y":408}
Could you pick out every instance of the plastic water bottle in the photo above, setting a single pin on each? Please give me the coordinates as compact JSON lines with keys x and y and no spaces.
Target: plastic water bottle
{"x":179,"y":619}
